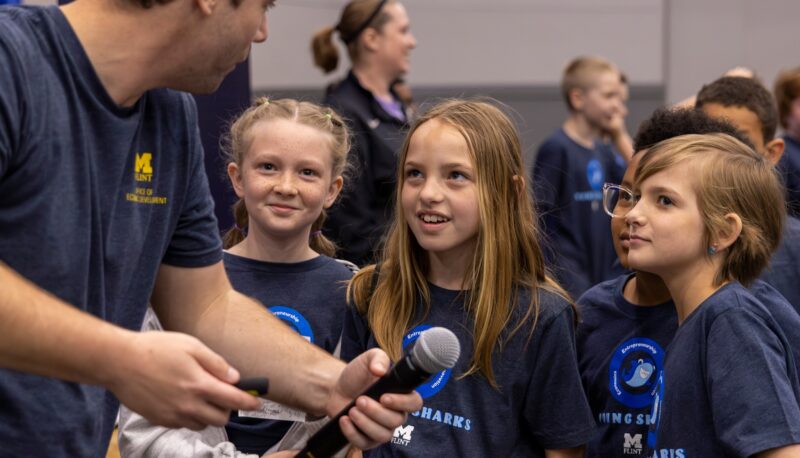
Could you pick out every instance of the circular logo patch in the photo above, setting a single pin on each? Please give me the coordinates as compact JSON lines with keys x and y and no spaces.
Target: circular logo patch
{"x":295,"y":320}
{"x":437,"y":381}
{"x":634,"y":371}
{"x":595,"y":175}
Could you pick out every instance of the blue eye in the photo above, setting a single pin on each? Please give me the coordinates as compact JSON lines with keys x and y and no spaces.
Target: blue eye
{"x":457,"y":176}
{"x":308,"y":172}
{"x":664,"y":200}
{"x":413,"y":173}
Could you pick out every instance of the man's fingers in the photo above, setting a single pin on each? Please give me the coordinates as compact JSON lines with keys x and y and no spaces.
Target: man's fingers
{"x":220,"y":391}
{"x":228,"y":396}
{"x":378,"y":362}
{"x":215,"y":364}
{"x":362,"y":372}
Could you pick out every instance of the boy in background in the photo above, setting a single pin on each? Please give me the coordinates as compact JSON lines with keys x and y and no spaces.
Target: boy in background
{"x":748,"y":105}
{"x":570,"y":169}
{"x":787,"y":95}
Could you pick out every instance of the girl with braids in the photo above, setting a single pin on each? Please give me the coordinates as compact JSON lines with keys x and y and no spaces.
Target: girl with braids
{"x":463,"y":252}
{"x":378,"y":39}
{"x":286,"y":165}
{"x":707,"y":213}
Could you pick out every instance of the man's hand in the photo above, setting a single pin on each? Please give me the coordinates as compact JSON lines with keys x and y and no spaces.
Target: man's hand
{"x":174,"y":380}
{"x":369,"y":423}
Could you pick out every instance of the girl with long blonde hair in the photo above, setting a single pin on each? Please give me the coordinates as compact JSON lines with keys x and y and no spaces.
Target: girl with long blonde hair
{"x":463,"y":253}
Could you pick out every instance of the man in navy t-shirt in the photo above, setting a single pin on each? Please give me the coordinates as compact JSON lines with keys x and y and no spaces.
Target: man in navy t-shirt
{"x":104,"y":206}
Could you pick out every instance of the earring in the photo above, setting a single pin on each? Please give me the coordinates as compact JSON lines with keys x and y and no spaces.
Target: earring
{"x":712,"y":250}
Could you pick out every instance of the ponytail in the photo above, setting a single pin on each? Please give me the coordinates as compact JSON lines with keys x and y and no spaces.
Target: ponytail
{"x":235,"y":235}
{"x":318,"y":242}
{"x":326,"y":56}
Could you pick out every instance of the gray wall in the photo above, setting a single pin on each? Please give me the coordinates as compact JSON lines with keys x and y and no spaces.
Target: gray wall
{"x":707,"y":37}
{"x":673,"y":46}
{"x":479,"y":42}
{"x":537,"y":110}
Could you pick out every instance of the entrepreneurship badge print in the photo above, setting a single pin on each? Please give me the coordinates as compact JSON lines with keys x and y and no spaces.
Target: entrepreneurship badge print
{"x":634,"y":371}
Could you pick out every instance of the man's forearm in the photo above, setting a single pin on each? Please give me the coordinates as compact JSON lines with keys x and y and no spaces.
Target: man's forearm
{"x":42,"y":334}
{"x":249,"y":338}
{"x":258,"y":344}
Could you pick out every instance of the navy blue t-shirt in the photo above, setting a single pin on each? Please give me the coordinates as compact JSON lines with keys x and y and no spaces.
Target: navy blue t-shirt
{"x":568,"y":186}
{"x":540,"y":404}
{"x":783,"y":271}
{"x":789,"y":166}
{"x":730,"y":385}
{"x":93,"y":199}
{"x":621,"y":348}
{"x":308,"y":296}
{"x":621,"y":357}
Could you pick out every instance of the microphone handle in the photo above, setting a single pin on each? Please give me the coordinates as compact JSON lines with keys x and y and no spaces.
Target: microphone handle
{"x":402,"y":378}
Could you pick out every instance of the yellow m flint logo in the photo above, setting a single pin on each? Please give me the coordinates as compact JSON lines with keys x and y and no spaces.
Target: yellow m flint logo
{"x":143,"y":169}
{"x":143,"y":163}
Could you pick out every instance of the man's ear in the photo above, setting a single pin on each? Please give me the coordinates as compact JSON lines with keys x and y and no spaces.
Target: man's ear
{"x":206,"y":6}
{"x":774,"y":150}
{"x":236,"y":179}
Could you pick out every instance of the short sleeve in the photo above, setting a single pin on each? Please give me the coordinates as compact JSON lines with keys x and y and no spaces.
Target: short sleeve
{"x":196,"y":240}
{"x":745,"y":355}
{"x":11,"y":82}
{"x":355,"y":334}
{"x":556,"y":410}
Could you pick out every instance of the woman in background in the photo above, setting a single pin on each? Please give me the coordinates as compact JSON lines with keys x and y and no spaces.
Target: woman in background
{"x":378,"y":40}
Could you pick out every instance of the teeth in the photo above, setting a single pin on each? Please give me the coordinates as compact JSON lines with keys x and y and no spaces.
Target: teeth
{"x":433,"y":219}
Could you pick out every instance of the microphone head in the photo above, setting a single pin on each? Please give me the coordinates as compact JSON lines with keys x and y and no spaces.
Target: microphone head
{"x":436,"y":349}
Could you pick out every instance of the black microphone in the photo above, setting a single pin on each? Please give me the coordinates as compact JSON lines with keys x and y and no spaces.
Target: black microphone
{"x":436,"y":349}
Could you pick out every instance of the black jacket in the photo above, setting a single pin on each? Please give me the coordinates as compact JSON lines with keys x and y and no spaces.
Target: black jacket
{"x":358,"y":220}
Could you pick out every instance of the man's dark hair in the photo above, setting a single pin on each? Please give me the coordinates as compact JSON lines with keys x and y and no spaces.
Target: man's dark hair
{"x":147,"y":4}
{"x":737,"y":91}
{"x":667,"y":123}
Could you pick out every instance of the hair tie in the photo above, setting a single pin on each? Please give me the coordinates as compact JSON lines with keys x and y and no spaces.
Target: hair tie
{"x":266,"y":101}
{"x":328,"y":116}
{"x":315,"y":233}
{"x":347,"y":39}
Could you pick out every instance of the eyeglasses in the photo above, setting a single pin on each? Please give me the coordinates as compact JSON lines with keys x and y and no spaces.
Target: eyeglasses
{"x":617,"y":200}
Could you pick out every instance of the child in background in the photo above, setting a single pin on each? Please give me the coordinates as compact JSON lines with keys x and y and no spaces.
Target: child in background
{"x":569,"y":171}
{"x":705,"y":220}
{"x":749,"y":106}
{"x":626,"y":323}
{"x":286,"y":162}
{"x":463,"y":253}
{"x":787,"y":94}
